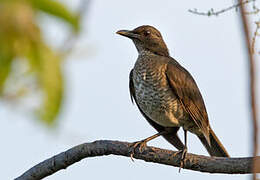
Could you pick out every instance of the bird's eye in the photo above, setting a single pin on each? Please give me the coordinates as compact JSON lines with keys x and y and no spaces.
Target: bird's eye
{"x":146,"y":33}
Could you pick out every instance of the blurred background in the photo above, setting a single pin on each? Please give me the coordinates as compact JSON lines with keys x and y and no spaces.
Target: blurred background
{"x":68,"y":82}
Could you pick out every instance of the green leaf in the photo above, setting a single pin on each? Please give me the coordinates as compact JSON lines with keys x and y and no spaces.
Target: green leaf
{"x":57,"y":9}
{"x":5,"y":68}
{"x":52,"y":83}
{"x":21,"y":40}
{"x":47,"y":67}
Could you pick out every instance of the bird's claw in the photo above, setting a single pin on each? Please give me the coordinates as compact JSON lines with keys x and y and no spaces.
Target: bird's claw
{"x":141,"y":144}
{"x":183,"y":157}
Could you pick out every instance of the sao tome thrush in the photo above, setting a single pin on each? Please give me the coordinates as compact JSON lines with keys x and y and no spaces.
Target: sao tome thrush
{"x":166,"y":93}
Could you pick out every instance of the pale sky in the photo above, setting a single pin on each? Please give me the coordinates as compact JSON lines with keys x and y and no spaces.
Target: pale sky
{"x":97,"y":104}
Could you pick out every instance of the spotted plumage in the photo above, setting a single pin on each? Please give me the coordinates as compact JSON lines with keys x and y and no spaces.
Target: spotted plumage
{"x":166,"y":93}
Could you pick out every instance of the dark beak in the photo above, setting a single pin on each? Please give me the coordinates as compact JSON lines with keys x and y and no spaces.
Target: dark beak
{"x":128,"y":34}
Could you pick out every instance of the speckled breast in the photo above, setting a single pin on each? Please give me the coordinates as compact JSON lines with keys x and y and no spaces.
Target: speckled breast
{"x":153,"y":93}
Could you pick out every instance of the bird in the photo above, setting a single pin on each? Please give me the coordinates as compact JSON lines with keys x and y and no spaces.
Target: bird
{"x":167,"y":95}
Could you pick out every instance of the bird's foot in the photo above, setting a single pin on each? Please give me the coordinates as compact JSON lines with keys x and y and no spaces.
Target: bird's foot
{"x":140,"y":145}
{"x":183,"y":157}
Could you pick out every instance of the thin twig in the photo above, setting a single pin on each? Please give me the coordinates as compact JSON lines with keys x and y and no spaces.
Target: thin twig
{"x":256,"y":10}
{"x":148,"y":154}
{"x":211,"y":12}
{"x":254,"y":37}
{"x":251,"y":63}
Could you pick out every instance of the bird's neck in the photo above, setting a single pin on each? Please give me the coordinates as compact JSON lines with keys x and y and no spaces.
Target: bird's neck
{"x":148,"y":52}
{"x":145,"y":52}
{"x":161,"y":50}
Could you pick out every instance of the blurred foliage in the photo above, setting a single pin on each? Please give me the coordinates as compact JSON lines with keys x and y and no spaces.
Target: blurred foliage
{"x":21,"y":41}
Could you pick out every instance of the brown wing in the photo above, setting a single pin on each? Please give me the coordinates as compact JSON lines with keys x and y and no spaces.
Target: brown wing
{"x":187,"y":91}
{"x":172,"y":136}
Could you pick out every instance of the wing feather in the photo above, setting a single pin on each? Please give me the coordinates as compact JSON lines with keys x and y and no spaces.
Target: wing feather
{"x":187,"y":91}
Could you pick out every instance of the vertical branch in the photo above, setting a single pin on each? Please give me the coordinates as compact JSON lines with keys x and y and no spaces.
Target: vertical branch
{"x":252,"y":83}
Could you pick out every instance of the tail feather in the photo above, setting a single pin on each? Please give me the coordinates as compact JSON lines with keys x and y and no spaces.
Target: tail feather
{"x":215,"y":148}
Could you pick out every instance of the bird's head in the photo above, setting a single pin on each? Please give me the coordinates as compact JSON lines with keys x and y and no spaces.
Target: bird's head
{"x":146,"y":38}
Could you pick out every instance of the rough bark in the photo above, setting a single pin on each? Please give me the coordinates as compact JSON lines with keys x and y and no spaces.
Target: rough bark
{"x":148,"y":154}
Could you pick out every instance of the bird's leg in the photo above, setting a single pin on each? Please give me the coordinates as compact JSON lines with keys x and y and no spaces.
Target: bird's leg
{"x":183,"y":151}
{"x":143,"y":142}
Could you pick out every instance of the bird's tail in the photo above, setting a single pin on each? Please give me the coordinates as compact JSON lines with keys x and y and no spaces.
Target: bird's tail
{"x":215,"y":148}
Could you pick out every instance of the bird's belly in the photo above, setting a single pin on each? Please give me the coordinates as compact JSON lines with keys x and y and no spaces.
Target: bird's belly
{"x":158,"y":102}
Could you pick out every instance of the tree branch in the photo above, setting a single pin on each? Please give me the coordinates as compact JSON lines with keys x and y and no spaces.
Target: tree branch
{"x":148,"y":154}
{"x":211,"y":12}
{"x":252,"y":83}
